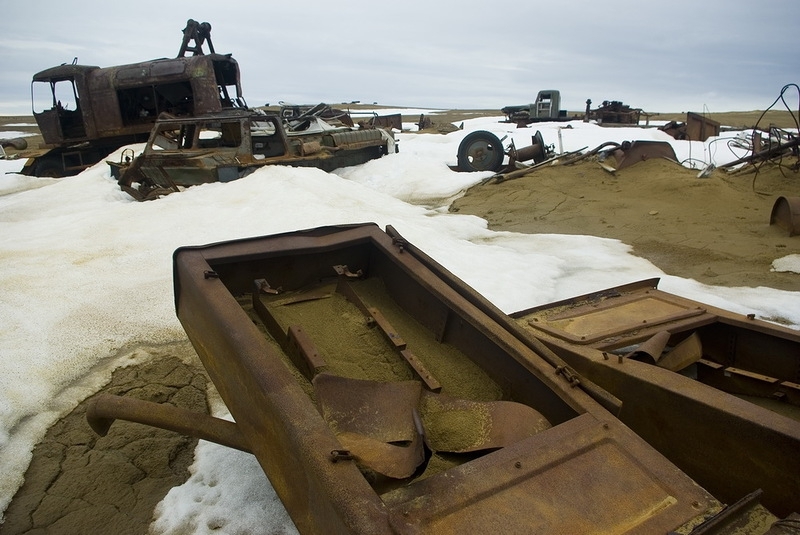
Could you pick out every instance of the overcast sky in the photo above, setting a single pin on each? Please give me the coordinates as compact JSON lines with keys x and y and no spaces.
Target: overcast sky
{"x":669,"y":56}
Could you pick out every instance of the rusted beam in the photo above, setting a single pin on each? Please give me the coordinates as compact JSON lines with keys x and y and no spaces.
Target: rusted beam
{"x":391,"y":334}
{"x":304,"y":353}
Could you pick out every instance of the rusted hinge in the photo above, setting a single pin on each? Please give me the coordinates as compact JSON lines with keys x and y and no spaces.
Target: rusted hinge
{"x":569,"y":374}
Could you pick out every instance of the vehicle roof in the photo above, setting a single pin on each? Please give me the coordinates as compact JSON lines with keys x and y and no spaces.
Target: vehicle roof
{"x":65,"y":71}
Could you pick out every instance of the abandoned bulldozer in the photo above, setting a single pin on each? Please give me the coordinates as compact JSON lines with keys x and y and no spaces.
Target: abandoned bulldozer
{"x":85,"y":112}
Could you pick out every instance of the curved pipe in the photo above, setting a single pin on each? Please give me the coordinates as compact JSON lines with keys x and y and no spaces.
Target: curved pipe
{"x":105,"y":408}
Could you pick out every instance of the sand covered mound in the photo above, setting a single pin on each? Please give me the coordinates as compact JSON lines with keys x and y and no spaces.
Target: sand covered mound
{"x":715,"y":230}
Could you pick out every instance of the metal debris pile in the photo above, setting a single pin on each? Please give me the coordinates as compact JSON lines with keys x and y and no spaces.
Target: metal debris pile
{"x":483,"y":151}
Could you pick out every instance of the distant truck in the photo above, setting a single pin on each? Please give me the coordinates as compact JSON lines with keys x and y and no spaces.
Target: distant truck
{"x":545,"y":108}
{"x":86,"y":112}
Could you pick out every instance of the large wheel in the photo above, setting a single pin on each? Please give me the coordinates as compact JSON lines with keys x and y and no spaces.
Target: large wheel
{"x":480,"y":151}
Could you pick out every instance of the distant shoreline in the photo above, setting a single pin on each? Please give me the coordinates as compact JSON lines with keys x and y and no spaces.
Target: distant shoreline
{"x":780,"y":118}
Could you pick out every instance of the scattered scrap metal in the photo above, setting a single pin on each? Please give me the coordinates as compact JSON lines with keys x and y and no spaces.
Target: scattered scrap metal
{"x":233,"y":143}
{"x":417,"y":449}
{"x":298,"y":116}
{"x":779,"y":144}
{"x":426,"y":124}
{"x":483,"y":151}
{"x":392,"y":121}
{"x":696,"y":128}
{"x":613,"y":112}
{"x":780,"y":149}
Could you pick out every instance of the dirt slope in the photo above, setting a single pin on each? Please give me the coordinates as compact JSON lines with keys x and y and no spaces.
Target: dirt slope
{"x":715,"y":230}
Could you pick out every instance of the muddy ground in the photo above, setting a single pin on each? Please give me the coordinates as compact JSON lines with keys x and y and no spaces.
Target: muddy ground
{"x":79,"y":482}
{"x":715,"y":230}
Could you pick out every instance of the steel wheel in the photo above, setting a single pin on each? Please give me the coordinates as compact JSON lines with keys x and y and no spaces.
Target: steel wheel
{"x":480,"y":151}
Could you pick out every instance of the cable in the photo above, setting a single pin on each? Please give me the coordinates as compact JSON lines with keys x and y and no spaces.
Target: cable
{"x":755,"y":128}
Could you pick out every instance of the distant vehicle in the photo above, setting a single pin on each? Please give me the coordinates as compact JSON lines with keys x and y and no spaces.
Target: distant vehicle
{"x":614,"y":112}
{"x":86,"y":112}
{"x":545,"y":108}
{"x":231,"y":144}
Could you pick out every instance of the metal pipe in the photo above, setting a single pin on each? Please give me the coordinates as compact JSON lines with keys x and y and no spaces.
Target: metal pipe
{"x":105,"y":408}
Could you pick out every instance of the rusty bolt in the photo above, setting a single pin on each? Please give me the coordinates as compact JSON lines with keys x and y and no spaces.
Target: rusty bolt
{"x":341,"y":455}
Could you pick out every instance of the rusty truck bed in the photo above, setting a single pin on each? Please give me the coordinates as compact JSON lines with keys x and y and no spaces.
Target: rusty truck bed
{"x":341,"y":355}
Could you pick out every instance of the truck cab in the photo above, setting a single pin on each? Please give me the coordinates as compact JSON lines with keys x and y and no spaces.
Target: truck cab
{"x":85,"y":112}
{"x":546,"y":107}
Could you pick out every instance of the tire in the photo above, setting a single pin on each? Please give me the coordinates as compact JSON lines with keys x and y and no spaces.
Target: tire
{"x":480,"y":151}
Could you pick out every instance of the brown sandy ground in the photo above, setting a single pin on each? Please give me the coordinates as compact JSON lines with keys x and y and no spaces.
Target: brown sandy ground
{"x":715,"y":230}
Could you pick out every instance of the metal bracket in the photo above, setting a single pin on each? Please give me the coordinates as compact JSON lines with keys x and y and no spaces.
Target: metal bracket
{"x":342,"y":269}
{"x":262,"y":286}
{"x":570,"y":375}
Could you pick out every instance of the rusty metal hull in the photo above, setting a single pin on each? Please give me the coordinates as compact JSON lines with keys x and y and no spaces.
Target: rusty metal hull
{"x":728,"y":444}
{"x":586,"y":473}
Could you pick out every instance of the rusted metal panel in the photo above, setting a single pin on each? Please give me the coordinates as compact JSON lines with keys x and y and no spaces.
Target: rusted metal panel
{"x":700,"y":128}
{"x":728,"y":445}
{"x":632,"y":152}
{"x":696,"y":128}
{"x":394,"y":120}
